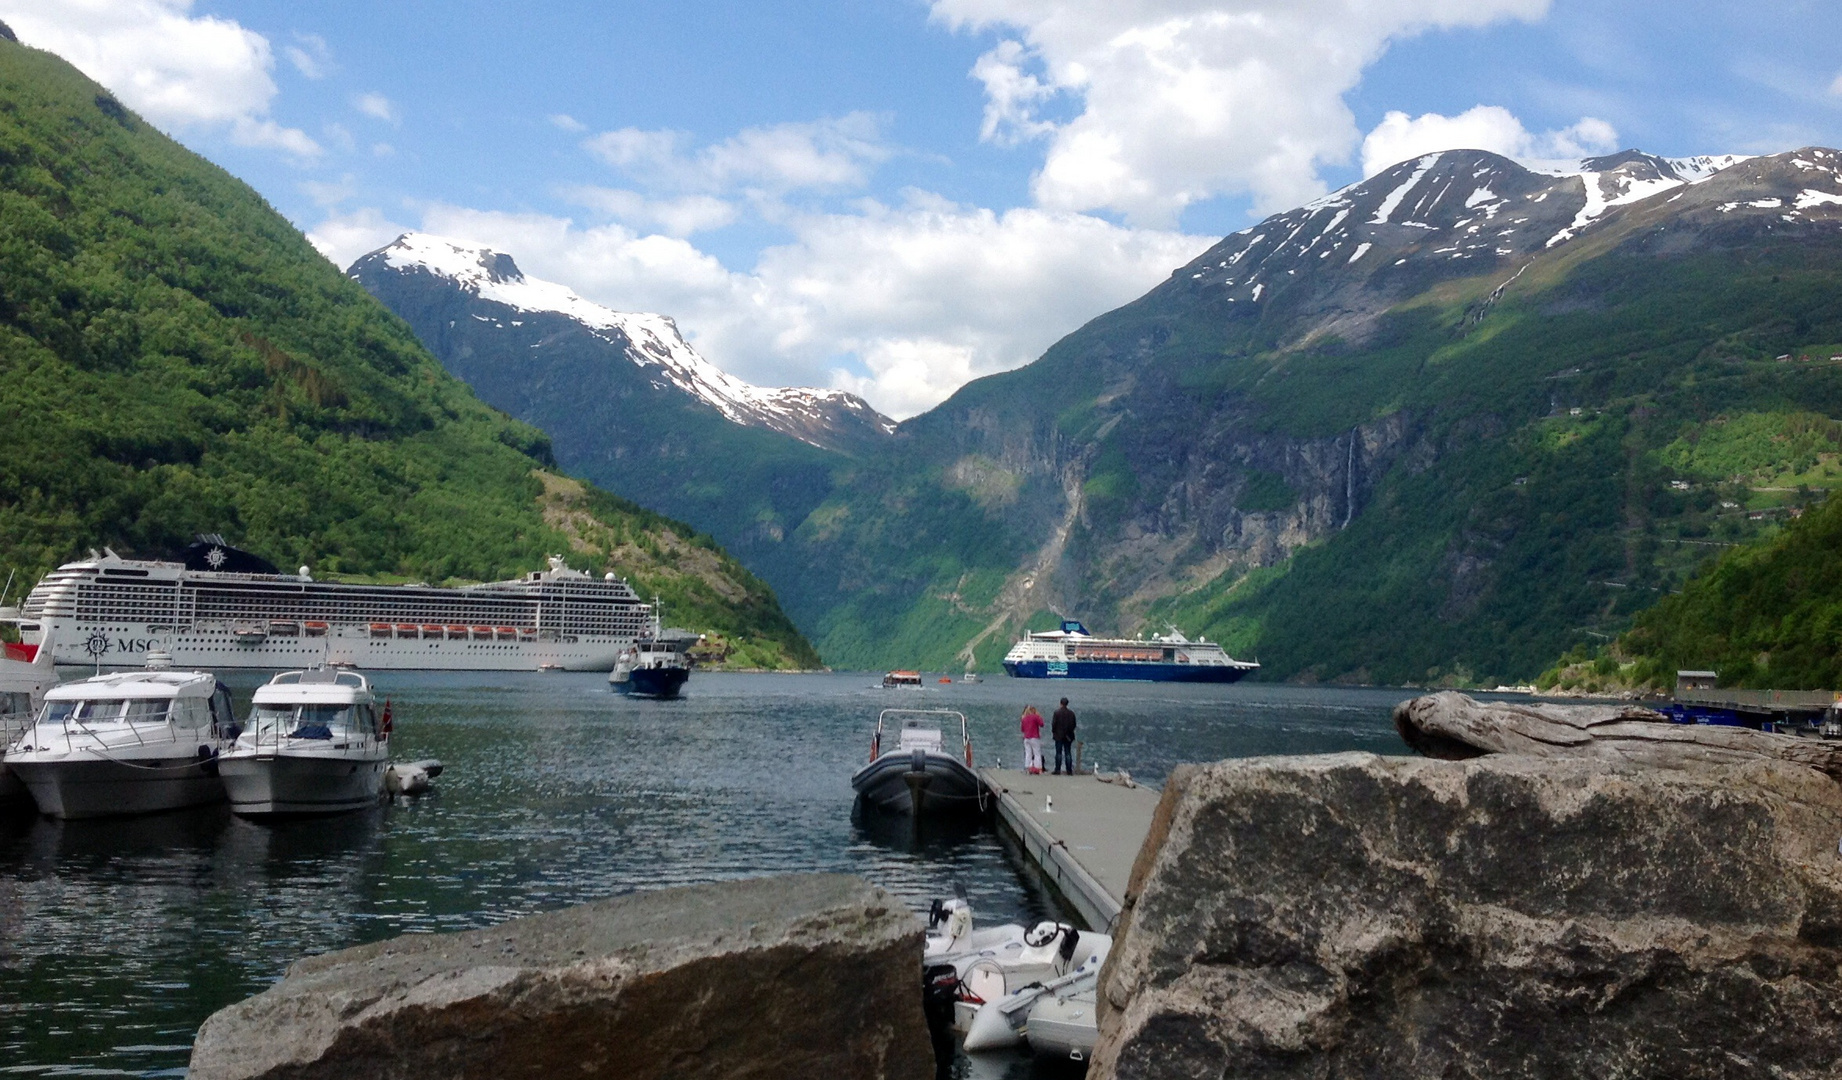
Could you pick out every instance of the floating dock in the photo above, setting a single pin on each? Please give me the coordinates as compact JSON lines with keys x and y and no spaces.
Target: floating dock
{"x":1081,"y":833}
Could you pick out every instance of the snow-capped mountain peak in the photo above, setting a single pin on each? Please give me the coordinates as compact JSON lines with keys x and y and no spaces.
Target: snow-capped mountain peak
{"x":651,"y":341}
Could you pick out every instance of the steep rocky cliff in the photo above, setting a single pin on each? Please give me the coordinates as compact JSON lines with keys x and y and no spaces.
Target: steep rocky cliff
{"x":1435,"y":426}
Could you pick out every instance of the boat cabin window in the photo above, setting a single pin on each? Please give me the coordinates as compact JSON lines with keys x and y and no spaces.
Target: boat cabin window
{"x":106,"y":711}
{"x":144,"y":711}
{"x":191,"y":713}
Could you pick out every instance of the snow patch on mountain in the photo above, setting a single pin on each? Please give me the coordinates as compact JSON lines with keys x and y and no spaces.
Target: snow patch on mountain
{"x":651,"y":341}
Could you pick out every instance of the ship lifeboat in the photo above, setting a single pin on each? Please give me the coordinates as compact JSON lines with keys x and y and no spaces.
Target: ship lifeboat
{"x":380,"y":629}
{"x":482,"y":633}
{"x":506,"y":633}
{"x":408,"y":630}
{"x":284,"y":628}
{"x":314,"y":629}
{"x":429,"y":631}
{"x":457,"y":633}
{"x":527,"y":635}
{"x":249,"y":633}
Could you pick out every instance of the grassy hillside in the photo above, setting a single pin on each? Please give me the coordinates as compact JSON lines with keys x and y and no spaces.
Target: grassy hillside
{"x":176,"y":358}
{"x":1764,"y":615}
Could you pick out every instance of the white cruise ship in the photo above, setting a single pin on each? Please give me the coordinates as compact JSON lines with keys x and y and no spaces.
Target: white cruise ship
{"x":109,"y":612}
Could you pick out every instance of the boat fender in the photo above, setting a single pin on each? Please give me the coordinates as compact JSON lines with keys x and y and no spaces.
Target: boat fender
{"x":936,"y":913}
{"x":406,"y":779}
{"x":917,"y":760}
{"x":208,"y":755}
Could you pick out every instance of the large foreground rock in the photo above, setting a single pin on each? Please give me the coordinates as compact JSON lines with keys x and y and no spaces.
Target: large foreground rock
{"x":1358,"y":916}
{"x":813,"y":976}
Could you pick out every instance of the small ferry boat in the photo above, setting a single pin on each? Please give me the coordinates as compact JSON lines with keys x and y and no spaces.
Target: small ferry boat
{"x":656,"y":665}
{"x":133,"y":742}
{"x":910,"y":768}
{"x":314,"y":745}
{"x":895,"y":679}
{"x":1073,"y":653}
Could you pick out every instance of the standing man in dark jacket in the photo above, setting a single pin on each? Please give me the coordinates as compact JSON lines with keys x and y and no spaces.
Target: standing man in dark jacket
{"x":1062,"y":729}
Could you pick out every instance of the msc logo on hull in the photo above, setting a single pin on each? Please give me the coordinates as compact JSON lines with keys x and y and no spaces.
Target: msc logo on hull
{"x":98,"y":645}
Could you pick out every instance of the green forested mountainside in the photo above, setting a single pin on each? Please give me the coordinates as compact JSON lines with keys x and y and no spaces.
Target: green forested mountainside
{"x":1431,"y":471}
{"x":176,"y":358}
{"x":1766,"y":615}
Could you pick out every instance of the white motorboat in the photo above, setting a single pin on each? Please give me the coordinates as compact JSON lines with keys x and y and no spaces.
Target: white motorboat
{"x":1056,"y":1017}
{"x":26,"y":672}
{"x":918,"y":774}
{"x":127,"y":743}
{"x":992,"y":978}
{"x":313,"y":745}
{"x":1050,"y":951}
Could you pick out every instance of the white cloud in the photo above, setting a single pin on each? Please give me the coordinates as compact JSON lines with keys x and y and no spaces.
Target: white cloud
{"x":567,"y":122}
{"x":342,"y":238}
{"x":1836,"y":87}
{"x":310,"y":55}
{"x":829,"y":154}
{"x":1483,"y":127}
{"x":900,"y":304}
{"x":376,"y":106}
{"x":328,"y":192}
{"x":680,"y":216}
{"x":383,"y":150}
{"x":178,"y":70}
{"x":1180,"y":101}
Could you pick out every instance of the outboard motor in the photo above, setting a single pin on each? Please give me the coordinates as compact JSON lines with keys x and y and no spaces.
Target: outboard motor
{"x":939,"y":990}
{"x":949,"y":925}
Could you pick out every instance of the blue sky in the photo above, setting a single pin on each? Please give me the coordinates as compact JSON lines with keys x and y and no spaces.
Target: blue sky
{"x":895,"y":196}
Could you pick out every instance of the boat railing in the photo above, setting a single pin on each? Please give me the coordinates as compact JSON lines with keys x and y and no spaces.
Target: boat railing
{"x":942,"y":716}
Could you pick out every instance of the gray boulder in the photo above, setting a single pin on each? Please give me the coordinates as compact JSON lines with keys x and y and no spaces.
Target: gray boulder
{"x":1359,"y":916}
{"x":811,"y":975}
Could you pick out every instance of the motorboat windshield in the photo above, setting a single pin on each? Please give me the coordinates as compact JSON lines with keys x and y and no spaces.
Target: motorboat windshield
{"x":313,"y":705}
{"x":132,"y":708}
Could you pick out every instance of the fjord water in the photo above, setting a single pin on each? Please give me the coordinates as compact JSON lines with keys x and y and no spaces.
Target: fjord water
{"x":117,"y":938}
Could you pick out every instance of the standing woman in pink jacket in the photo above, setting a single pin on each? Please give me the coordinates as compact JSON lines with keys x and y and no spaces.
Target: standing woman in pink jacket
{"x":1032,"y":741}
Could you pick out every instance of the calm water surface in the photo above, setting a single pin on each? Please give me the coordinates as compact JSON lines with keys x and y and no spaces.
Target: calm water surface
{"x":118,"y":938}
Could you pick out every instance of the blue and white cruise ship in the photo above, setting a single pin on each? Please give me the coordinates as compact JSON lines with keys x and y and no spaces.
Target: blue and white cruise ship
{"x":1073,"y":653}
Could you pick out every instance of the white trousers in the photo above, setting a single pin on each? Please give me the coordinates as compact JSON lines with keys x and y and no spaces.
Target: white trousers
{"x":1032,"y":753}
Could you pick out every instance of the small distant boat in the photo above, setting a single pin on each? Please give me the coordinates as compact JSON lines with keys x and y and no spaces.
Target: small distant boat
{"x":910,"y":768}
{"x":1073,"y":653}
{"x":314,"y":745}
{"x":133,"y":742}
{"x":902,"y":678}
{"x":970,"y":676}
{"x":944,"y":679}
